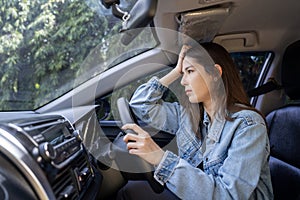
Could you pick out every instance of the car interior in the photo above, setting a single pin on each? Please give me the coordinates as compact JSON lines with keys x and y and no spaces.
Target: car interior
{"x":70,"y":147}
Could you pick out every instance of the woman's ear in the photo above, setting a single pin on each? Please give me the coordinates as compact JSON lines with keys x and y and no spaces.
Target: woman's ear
{"x":219,"y":68}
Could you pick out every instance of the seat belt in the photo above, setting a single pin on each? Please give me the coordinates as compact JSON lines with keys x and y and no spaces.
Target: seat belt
{"x":269,"y":86}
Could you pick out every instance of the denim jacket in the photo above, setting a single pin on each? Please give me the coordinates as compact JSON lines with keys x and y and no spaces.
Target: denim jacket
{"x":234,"y":154}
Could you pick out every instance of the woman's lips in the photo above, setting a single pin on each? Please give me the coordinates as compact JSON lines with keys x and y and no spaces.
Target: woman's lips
{"x":188,"y":92}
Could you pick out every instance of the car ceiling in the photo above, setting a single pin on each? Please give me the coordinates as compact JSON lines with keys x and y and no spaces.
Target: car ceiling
{"x":271,"y":21}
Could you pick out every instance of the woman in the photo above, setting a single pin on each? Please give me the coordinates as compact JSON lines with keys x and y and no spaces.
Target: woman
{"x":225,"y":156}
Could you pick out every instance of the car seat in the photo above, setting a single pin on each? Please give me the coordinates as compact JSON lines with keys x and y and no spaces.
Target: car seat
{"x":284,"y":130}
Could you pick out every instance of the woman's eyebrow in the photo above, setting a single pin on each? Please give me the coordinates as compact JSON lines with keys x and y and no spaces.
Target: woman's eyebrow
{"x":187,"y":67}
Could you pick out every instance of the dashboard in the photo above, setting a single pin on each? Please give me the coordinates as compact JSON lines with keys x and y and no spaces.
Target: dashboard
{"x":44,"y":157}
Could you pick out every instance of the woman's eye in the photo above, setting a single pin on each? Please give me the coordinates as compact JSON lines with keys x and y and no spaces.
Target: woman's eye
{"x":189,"y":71}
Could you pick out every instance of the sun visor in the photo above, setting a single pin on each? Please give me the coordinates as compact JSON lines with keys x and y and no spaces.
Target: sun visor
{"x":201,"y":25}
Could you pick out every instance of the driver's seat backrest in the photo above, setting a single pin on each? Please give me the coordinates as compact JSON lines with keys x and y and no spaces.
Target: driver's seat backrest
{"x":284,"y":131}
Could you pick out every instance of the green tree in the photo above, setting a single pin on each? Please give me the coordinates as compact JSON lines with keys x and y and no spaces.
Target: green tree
{"x":38,"y":37}
{"x":47,"y":47}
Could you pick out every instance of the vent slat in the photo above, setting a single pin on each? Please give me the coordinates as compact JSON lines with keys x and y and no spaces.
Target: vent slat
{"x":65,"y":178}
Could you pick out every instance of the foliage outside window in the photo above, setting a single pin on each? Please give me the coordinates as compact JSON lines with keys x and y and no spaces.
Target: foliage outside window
{"x":46,"y":47}
{"x":250,"y":66}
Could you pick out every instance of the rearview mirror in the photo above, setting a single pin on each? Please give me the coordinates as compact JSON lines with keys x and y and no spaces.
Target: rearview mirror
{"x":140,"y":16}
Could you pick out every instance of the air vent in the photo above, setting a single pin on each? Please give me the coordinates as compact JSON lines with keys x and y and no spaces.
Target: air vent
{"x":66,"y":183}
{"x":84,"y":172}
{"x":41,"y":126}
{"x":82,"y":163}
{"x":63,"y":186}
{"x":40,"y":122}
{"x":54,"y":130}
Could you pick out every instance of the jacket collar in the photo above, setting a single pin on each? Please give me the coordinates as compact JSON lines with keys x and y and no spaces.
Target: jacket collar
{"x":214,"y":129}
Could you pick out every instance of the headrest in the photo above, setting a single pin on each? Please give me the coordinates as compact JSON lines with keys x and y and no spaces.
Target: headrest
{"x":291,"y":71}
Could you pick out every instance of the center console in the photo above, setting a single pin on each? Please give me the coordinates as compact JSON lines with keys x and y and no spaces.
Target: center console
{"x":48,"y":152}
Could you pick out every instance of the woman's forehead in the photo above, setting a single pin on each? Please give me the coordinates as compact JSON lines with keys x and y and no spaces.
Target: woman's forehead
{"x":186,"y":62}
{"x":191,"y":62}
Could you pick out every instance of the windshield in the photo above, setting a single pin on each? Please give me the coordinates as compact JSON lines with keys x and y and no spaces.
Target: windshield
{"x":48,"y":47}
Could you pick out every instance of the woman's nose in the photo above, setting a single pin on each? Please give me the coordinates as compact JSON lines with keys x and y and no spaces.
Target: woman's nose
{"x":183,"y":80}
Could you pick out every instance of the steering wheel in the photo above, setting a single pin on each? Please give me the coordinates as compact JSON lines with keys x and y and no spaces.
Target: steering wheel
{"x":131,"y":166}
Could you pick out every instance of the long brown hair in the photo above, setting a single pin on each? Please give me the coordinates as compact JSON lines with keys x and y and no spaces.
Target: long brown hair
{"x":230,"y":95}
{"x":231,"y":80}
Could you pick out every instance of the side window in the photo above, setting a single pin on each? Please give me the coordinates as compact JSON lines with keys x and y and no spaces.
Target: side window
{"x":250,"y":66}
{"x":108,"y":111}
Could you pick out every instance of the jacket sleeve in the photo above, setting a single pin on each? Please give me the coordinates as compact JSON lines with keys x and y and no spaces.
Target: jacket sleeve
{"x":147,"y":104}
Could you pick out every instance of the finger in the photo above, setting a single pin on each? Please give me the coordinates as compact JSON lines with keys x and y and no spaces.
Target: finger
{"x":136,"y":129}
{"x":133,"y":151}
{"x":132,"y":145}
{"x":183,"y":51}
{"x":181,"y":57}
{"x":130,"y":137}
